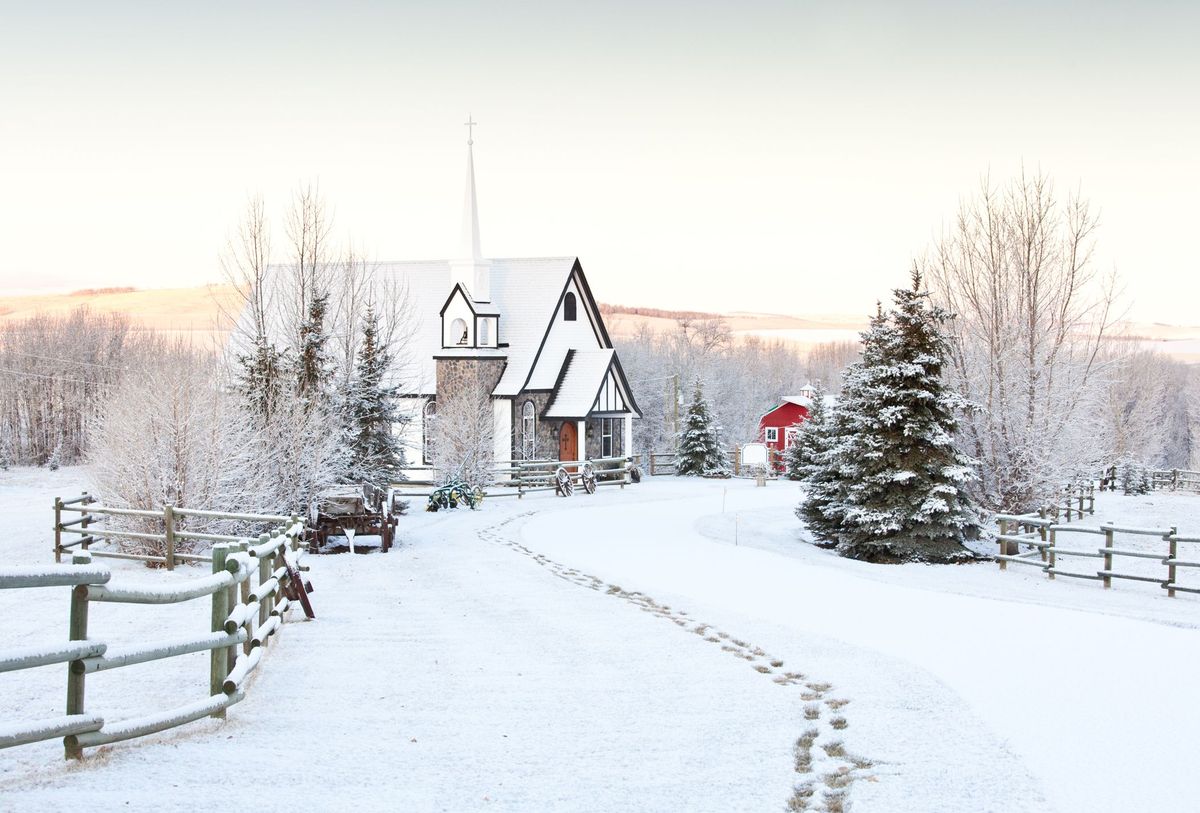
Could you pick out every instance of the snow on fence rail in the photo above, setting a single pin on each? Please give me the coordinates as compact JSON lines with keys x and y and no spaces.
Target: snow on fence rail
{"x":523,"y":477}
{"x":1174,"y":479}
{"x":92,"y":512}
{"x":250,"y":585}
{"x":667,"y":462}
{"x":1046,"y":536}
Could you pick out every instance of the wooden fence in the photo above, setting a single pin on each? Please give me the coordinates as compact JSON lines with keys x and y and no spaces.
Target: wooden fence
{"x":666,"y":462}
{"x":247,"y":588}
{"x":1173,"y":479}
{"x":88,"y":528}
{"x":522,"y":477}
{"x":1044,"y":534}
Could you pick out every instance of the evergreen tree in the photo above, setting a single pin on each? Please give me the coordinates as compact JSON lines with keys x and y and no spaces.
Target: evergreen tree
{"x":903,"y":477}
{"x":829,"y":465}
{"x":799,"y":454}
{"x":700,"y":451}
{"x":375,"y":455}
{"x":260,"y":379}
{"x":313,"y":364}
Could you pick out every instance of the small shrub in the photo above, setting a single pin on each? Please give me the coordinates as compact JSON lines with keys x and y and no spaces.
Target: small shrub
{"x":812,"y":711}
{"x":835,"y":748}
{"x":839,"y":723}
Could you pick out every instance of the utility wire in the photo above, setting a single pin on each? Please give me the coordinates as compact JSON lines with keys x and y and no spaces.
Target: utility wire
{"x":62,"y":361}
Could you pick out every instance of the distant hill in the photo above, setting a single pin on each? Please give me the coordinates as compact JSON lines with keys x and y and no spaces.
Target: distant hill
{"x":203,"y":313}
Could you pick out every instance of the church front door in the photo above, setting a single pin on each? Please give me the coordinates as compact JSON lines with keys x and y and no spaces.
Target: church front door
{"x":568,"y":441}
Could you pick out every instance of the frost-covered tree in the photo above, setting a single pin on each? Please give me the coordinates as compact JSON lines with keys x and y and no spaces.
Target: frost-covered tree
{"x":1033,"y":313}
{"x":799,"y":454}
{"x":904,"y":480}
{"x":814,"y":462}
{"x":373,"y":448}
{"x":828,"y":469}
{"x":462,"y":439}
{"x":314,"y":367}
{"x":700,"y":452}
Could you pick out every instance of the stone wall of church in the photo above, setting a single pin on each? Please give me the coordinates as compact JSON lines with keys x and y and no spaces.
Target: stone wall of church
{"x":546,"y":432}
{"x":595,"y":438}
{"x":456,"y":377}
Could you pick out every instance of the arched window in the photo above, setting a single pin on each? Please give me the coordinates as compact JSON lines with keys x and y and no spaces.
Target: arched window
{"x":484,"y":339}
{"x":569,"y":307}
{"x":458,"y":332}
{"x":428,"y":417}
{"x":528,"y":431}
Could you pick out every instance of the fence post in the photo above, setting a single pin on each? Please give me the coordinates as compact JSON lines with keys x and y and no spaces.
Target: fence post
{"x":242,"y":547}
{"x":169,"y":534}
{"x":1092,"y":499}
{"x":1003,"y":544}
{"x":651,"y":463}
{"x":1174,"y":549}
{"x":58,"y":529}
{"x":1053,"y":555}
{"x":219,"y":661}
{"x":1108,"y":543}
{"x":85,"y":541}
{"x":1174,"y":479}
{"x":1042,"y":530}
{"x":78,"y":630}
{"x":264,"y":573}
{"x":1081,"y":502}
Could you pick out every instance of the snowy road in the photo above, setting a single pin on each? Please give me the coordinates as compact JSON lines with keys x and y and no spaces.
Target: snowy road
{"x":617,"y":652}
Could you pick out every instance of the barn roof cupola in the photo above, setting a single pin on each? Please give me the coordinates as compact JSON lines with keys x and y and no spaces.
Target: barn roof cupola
{"x":470,"y":269}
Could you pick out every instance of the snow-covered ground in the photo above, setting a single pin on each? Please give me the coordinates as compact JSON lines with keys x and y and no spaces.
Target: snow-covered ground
{"x":654,"y":648}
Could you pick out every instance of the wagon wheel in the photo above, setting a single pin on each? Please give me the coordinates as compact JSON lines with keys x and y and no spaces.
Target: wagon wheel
{"x":563,"y":485}
{"x":588,"y":478}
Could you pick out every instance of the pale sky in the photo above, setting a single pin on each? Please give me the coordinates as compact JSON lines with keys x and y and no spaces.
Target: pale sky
{"x":782,"y":157}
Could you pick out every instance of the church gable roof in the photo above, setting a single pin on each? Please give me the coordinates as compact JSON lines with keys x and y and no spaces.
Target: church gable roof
{"x":585,"y":377}
{"x":524,"y":293}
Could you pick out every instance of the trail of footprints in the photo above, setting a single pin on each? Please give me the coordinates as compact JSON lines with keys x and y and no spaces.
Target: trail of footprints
{"x":825,"y":769}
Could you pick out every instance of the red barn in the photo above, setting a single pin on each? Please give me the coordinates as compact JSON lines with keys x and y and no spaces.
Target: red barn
{"x":777,"y":429}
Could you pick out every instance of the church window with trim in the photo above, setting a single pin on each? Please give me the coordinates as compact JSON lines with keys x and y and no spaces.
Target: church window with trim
{"x":428,"y":417}
{"x":528,"y":431}
{"x":569,"y":307}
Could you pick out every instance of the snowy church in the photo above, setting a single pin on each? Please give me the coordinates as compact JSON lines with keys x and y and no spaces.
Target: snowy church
{"x":526,"y":332}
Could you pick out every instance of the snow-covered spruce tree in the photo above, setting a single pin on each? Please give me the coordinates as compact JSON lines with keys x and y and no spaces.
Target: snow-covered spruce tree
{"x":259,"y":378}
{"x":829,"y":468}
{"x":314,"y":367}
{"x":374,"y":453}
{"x":700,"y":452}
{"x":799,"y":453}
{"x":904,"y":478}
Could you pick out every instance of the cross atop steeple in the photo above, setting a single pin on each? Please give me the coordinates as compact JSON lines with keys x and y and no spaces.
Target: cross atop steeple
{"x":469,"y":267}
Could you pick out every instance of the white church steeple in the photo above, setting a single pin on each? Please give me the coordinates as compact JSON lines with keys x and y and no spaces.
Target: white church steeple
{"x":470,"y":268}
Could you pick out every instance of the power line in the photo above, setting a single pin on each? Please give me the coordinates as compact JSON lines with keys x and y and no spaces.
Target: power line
{"x":85,"y":382}
{"x":63,"y":361}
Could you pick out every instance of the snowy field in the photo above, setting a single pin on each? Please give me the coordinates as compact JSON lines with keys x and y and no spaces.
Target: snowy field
{"x":658,"y":648}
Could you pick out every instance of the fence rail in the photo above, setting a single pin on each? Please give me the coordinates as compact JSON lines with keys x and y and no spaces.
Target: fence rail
{"x":1045,"y":536}
{"x":667,"y":462}
{"x":530,"y":476}
{"x":253,"y":585}
{"x":1173,"y":479}
{"x":92,"y":512}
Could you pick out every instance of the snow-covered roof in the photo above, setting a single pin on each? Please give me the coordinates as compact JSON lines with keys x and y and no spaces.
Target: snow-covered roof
{"x":582,"y":376}
{"x":798,"y":400}
{"x":524,"y":292}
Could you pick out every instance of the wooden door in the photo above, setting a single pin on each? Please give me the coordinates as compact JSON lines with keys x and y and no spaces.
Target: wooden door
{"x":568,"y":441}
